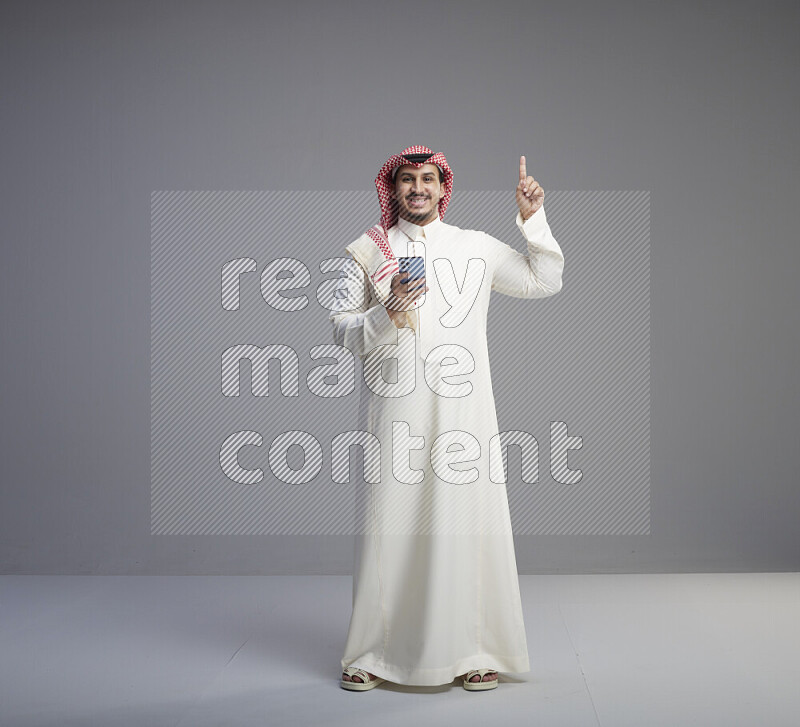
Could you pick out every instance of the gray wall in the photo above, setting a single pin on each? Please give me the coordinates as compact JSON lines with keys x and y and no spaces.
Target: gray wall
{"x":104,"y":102}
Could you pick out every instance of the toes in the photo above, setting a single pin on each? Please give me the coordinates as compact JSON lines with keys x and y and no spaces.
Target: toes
{"x":488,"y":677}
{"x":356,"y":678}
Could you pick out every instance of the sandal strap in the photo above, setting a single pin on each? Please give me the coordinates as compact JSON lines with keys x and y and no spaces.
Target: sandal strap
{"x":480,"y":672}
{"x":352,"y":671}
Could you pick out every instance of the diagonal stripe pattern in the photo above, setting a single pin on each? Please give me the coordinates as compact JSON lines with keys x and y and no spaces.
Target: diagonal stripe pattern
{"x":242,"y":363}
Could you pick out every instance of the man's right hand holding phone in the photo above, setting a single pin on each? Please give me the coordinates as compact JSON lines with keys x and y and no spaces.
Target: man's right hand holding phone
{"x":405,"y":291}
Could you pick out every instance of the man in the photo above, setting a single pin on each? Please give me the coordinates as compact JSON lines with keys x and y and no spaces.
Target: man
{"x":435,"y":587}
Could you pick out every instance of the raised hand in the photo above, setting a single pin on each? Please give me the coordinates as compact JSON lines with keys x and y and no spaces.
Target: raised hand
{"x":530,"y":196}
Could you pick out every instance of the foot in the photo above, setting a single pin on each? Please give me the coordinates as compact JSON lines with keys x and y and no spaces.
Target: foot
{"x":357,"y":679}
{"x":491,"y":676}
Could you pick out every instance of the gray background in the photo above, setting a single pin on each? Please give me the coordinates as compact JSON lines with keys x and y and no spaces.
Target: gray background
{"x":581,"y":359}
{"x":104,"y":103}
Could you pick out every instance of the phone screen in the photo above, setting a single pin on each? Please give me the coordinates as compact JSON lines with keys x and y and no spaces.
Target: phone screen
{"x":414,"y":266}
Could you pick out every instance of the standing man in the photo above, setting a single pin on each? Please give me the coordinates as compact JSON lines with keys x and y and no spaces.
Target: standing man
{"x":435,"y":588}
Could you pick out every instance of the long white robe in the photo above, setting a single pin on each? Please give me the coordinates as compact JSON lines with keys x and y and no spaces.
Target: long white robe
{"x":435,"y":585}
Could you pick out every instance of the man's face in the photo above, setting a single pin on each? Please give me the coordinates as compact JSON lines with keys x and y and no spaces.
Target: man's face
{"x":417,"y":191}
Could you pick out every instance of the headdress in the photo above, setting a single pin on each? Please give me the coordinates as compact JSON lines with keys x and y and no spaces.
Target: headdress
{"x":416,"y":156}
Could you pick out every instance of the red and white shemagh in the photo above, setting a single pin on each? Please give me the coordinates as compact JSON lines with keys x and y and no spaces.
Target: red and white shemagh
{"x":384,"y":183}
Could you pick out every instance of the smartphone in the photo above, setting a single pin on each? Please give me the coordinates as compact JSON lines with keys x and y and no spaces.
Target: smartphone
{"x":412,"y":268}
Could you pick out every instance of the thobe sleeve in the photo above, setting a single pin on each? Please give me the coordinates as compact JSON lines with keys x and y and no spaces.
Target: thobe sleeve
{"x":535,"y":275}
{"x":365,"y":326}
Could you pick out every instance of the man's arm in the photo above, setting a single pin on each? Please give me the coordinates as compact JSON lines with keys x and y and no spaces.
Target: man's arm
{"x":364,"y":327}
{"x":536,"y":275}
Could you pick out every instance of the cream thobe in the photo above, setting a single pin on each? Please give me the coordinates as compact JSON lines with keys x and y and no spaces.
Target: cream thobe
{"x":435,"y":585}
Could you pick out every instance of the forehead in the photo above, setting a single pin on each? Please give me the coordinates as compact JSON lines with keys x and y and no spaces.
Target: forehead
{"x":424,"y":169}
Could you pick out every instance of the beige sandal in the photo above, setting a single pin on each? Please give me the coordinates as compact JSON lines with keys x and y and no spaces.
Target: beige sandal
{"x":479,"y":686}
{"x":364,"y":684}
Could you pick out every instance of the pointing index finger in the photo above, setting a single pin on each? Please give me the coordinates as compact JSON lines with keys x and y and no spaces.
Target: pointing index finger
{"x":522,"y":169}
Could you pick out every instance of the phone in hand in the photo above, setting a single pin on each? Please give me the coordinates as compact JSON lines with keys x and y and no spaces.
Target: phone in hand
{"x":411,"y":269}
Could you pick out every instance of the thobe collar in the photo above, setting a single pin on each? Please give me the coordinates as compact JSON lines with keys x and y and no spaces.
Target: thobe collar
{"x":420,"y":232}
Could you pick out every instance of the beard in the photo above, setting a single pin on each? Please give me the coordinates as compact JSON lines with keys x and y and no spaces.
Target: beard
{"x":418,"y":215}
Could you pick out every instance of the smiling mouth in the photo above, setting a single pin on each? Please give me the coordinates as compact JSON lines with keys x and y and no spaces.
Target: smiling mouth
{"x":417,"y":201}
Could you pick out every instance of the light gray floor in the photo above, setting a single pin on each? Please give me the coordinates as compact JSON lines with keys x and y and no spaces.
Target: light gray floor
{"x":677,"y":650}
